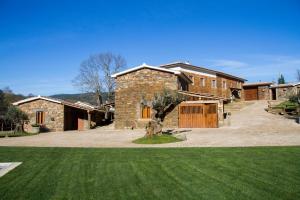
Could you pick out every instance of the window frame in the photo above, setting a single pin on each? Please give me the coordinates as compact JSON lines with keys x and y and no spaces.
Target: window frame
{"x":147,"y":114}
{"x":202,"y":82}
{"x":214,"y":83}
{"x":40,"y":117}
{"x":224,"y":84}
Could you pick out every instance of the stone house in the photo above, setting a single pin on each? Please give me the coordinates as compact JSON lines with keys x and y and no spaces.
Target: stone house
{"x":58,"y":115}
{"x":270,"y":91}
{"x":207,"y":81}
{"x":257,"y":91}
{"x":205,"y":91}
{"x":284,"y":91}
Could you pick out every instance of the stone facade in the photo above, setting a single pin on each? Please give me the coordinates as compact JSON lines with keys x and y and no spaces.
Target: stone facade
{"x":54,"y":114}
{"x":283,"y":93}
{"x":224,"y":85}
{"x":141,"y":85}
{"x":263,"y":92}
{"x":137,"y":87}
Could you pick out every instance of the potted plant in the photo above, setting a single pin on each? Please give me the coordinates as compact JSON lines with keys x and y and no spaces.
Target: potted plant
{"x":35,"y":128}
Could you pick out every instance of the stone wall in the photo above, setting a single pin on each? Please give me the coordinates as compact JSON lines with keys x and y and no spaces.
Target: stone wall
{"x":54,"y":113}
{"x":220,"y":90}
{"x":263,"y":93}
{"x":283,"y":93}
{"x":140,"y":85}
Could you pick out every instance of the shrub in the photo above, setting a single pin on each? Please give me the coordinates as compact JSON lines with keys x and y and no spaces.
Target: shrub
{"x":17,"y":117}
{"x":295,"y":98}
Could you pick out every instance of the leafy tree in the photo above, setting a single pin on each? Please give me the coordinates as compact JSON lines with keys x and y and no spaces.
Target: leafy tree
{"x":17,"y":117}
{"x":3,"y":104}
{"x":95,"y":74}
{"x":162,"y":104}
{"x":281,"y":79}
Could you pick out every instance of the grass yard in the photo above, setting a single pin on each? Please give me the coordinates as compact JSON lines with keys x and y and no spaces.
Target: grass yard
{"x":14,"y":134}
{"x":157,"y":139}
{"x":174,"y":173}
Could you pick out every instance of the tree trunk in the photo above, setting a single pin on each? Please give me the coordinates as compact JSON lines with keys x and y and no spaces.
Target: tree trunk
{"x":98,"y":98}
{"x":154,"y":127}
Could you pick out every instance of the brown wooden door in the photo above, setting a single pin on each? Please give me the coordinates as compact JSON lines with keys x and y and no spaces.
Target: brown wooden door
{"x":251,"y":94}
{"x":211,"y":115}
{"x":198,"y":115}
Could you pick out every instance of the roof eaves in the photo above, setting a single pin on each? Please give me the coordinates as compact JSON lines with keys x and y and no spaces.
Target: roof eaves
{"x":144,"y":65}
{"x":36,"y":98}
{"x":195,"y":68}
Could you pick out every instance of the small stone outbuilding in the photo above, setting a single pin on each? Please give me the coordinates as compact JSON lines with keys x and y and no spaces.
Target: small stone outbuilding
{"x":284,"y":91}
{"x":257,"y":91}
{"x":58,"y":115}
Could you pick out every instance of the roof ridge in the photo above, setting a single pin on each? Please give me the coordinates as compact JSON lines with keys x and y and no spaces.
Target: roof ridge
{"x":204,"y":68}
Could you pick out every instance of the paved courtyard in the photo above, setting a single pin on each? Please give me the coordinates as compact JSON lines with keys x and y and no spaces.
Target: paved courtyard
{"x":251,"y":126}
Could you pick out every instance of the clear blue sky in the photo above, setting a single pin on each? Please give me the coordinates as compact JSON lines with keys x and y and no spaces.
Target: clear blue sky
{"x":42,"y":43}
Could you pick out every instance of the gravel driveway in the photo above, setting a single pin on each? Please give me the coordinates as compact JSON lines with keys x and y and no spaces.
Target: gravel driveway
{"x":251,"y":126}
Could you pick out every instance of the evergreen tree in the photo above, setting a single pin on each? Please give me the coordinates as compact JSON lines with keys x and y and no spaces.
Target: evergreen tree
{"x":281,"y":79}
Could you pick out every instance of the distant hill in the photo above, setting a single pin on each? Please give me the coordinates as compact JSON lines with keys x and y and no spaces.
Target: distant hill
{"x":85,"y":97}
{"x":11,"y":97}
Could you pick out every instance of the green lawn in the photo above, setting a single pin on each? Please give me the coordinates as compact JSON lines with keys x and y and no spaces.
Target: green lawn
{"x":157,"y":139}
{"x":14,"y":134}
{"x":182,"y":173}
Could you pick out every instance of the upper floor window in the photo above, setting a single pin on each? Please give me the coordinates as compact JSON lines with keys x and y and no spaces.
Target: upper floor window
{"x":40,"y":117}
{"x":214,"y":84}
{"x":240,"y":84}
{"x":224,"y":84}
{"x":192,"y":79}
{"x":146,"y":110}
{"x":202,"y":82}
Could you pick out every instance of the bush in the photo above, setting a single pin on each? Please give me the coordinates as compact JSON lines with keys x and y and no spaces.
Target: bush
{"x":17,"y":117}
{"x":294,"y":98}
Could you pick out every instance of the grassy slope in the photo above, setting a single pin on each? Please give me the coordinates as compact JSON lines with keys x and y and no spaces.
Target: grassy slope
{"x":182,"y":173}
{"x":157,"y":139}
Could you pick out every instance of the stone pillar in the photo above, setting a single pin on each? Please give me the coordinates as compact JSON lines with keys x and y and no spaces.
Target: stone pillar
{"x":89,"y":120}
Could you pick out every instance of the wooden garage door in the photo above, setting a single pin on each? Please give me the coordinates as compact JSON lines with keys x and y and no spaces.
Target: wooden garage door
{"x":251,"y":94}
{"x":198,"y":115}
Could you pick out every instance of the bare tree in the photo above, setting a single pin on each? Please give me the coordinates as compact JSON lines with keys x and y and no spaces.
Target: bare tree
{"x":110,"y":64}
{"x":95,"y":74}
{"x":298,"y":75}
{"x":89,"y":78}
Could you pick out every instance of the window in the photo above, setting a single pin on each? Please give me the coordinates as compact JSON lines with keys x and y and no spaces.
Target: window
{"x":146,"y":112}
{"x":224,"y":84}
{"x":40,"y":117}
{"x":214,"y":84}
{"x":202,"y":82}
{"x":192,"y":79}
